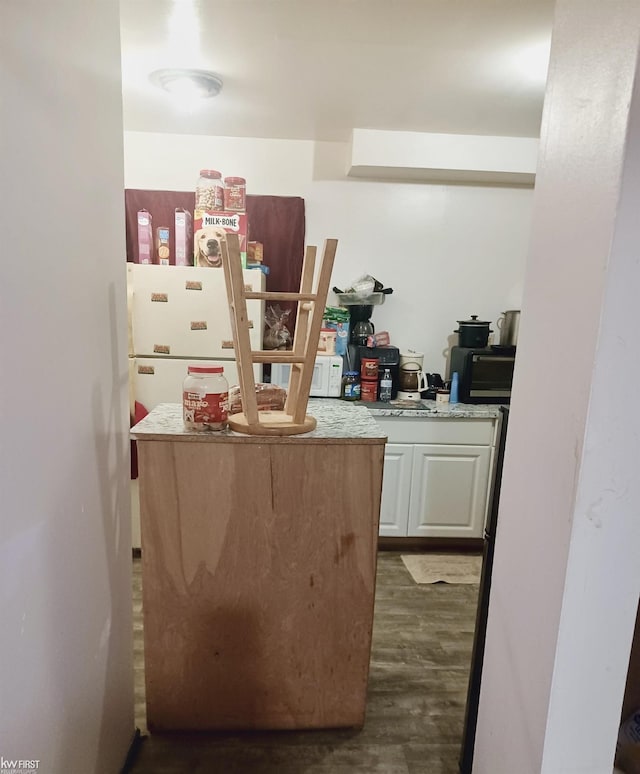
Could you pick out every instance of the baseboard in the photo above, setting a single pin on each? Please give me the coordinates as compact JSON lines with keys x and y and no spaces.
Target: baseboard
{"x":474,"y":545}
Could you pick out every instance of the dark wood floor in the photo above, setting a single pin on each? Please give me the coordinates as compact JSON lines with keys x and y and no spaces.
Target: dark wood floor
{"x":417,"y":690}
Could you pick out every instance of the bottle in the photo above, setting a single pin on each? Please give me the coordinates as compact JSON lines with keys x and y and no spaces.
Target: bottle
{"x":385,"y":386}
{"x":205,"y":398}
{"x":350,"y":386}
{"x":453,"y":395}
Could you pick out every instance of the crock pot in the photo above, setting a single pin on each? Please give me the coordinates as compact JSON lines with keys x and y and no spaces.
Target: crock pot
{"x":473,"y":333}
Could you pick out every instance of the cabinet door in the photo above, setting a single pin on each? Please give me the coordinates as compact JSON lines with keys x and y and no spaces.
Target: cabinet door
{"x":396,"y":485}
{"x":449,"y":490}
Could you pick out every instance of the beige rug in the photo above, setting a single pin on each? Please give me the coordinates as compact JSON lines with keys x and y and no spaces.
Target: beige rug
{"x":443,"y":568}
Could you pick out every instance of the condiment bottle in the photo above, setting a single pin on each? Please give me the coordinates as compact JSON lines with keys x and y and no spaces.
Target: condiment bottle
{"x":350,"y":386}
{"x":205,"y":398}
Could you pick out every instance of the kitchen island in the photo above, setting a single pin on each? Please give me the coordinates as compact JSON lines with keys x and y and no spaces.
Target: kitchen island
{"x":258,"y":571}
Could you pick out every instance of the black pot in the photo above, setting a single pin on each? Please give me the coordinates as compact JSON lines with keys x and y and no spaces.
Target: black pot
{"x":473,"y":333}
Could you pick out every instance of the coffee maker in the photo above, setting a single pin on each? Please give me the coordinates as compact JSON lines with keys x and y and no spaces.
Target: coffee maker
{"x":360,"y":325}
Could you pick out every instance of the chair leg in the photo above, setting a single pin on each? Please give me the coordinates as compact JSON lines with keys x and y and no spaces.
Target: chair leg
{"x":234,"y":279}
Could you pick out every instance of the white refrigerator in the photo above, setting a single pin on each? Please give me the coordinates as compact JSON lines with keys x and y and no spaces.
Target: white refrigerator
{"x":179,"y":315}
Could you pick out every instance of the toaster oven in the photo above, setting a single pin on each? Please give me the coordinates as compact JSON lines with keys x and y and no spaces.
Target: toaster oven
{"x":484,"y":375}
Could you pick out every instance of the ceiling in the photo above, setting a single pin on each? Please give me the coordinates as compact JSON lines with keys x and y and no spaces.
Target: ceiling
{"x":316,"y":69}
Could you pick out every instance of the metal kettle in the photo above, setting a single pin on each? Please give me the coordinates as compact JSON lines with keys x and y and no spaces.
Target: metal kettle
{"x":508,"y":325}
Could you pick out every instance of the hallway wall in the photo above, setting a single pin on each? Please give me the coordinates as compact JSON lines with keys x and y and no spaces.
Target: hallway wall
{"x":65,"y":548}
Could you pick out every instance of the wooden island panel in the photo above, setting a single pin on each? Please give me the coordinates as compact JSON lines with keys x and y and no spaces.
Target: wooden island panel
{"x":259,"y":564}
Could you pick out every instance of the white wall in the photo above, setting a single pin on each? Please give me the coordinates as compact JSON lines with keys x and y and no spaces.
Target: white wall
{"x":566,"y":577}
{"x":448,"y":251}
{"x":65,"y":546}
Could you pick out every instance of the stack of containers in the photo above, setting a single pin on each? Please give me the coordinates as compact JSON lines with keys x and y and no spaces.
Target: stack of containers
{"x":369,"y":379}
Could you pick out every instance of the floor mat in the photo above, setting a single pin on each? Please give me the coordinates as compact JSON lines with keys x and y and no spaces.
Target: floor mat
{"x":443,"y":568}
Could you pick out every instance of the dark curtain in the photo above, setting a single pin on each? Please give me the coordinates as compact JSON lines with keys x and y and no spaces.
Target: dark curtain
{"x":276,"y":221}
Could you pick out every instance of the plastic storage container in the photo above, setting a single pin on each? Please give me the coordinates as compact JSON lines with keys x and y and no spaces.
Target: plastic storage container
{"x":235,"y":194}
{"x":369,"y":367}
{"x":205,"y":398}
{"x":209,"y":191}
{"x":368,"y":390}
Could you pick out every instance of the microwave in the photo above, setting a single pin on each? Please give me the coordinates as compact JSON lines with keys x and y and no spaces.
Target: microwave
{"x":327,"y":376}
{"x":484,"y":375}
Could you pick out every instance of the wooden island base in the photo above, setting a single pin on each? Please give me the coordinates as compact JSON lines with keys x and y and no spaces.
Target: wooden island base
{"x":258,"y":561}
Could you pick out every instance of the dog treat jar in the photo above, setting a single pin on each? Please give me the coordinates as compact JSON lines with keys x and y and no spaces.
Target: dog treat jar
{"x":205,"y":398}
{"x":209,"y":191}
{"x":235,"y":189}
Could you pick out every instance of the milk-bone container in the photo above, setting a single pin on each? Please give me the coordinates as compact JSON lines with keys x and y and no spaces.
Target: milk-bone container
{"x":205,"y":398}
{"x":235,"y":194}
{"x":209,"y":191}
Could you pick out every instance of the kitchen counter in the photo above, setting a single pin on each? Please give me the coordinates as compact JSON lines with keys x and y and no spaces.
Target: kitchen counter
{"x":432,"y":409}
{"x":258,"y":571}
{"x":337,"y":420}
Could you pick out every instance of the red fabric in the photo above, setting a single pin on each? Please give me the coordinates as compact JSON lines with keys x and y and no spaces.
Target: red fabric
{"x":140,"y":412}
{"x":162,"y":206}
{"x":276,"y":221}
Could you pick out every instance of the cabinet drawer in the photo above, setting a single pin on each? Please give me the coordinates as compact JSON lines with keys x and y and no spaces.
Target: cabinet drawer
{"x":476,"y":432}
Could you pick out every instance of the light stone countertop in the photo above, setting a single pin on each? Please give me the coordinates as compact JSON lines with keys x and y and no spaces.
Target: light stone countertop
{"x":432,"y":409}
{"x":337,"y":420}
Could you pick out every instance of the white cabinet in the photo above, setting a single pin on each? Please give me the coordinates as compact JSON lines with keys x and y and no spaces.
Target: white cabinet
{"x":394,"y":508}
{"x":437,"y":475}
{"x":448,"y":490}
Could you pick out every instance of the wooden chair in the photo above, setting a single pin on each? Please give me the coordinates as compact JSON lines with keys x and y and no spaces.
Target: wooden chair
{"x":311,"y":305}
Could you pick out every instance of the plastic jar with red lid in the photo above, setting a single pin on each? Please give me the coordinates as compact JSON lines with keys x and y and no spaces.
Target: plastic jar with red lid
{"x":209,"y":191}
{"x":369,"y":368}
{"x":368,"y":390}
{"x":235,"y":194}
{"x":205,"y":398}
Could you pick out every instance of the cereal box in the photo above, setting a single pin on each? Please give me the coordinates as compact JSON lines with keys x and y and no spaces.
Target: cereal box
{"x":184,"y":238}
{"x":210,"y":228}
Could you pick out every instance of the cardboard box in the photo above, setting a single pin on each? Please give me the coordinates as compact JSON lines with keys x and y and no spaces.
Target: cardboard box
{"x":163,"y":249}
{"x":209,"y":228}
{"x":255,"y":252}
{"x":184,"y":238}
{"x":145,"y":237}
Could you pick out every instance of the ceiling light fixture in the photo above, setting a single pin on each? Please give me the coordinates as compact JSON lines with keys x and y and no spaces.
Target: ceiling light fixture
{"x":187,"y":83}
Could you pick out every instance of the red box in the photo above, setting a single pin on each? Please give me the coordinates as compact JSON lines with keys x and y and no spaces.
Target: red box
{"x":209,"y":228}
